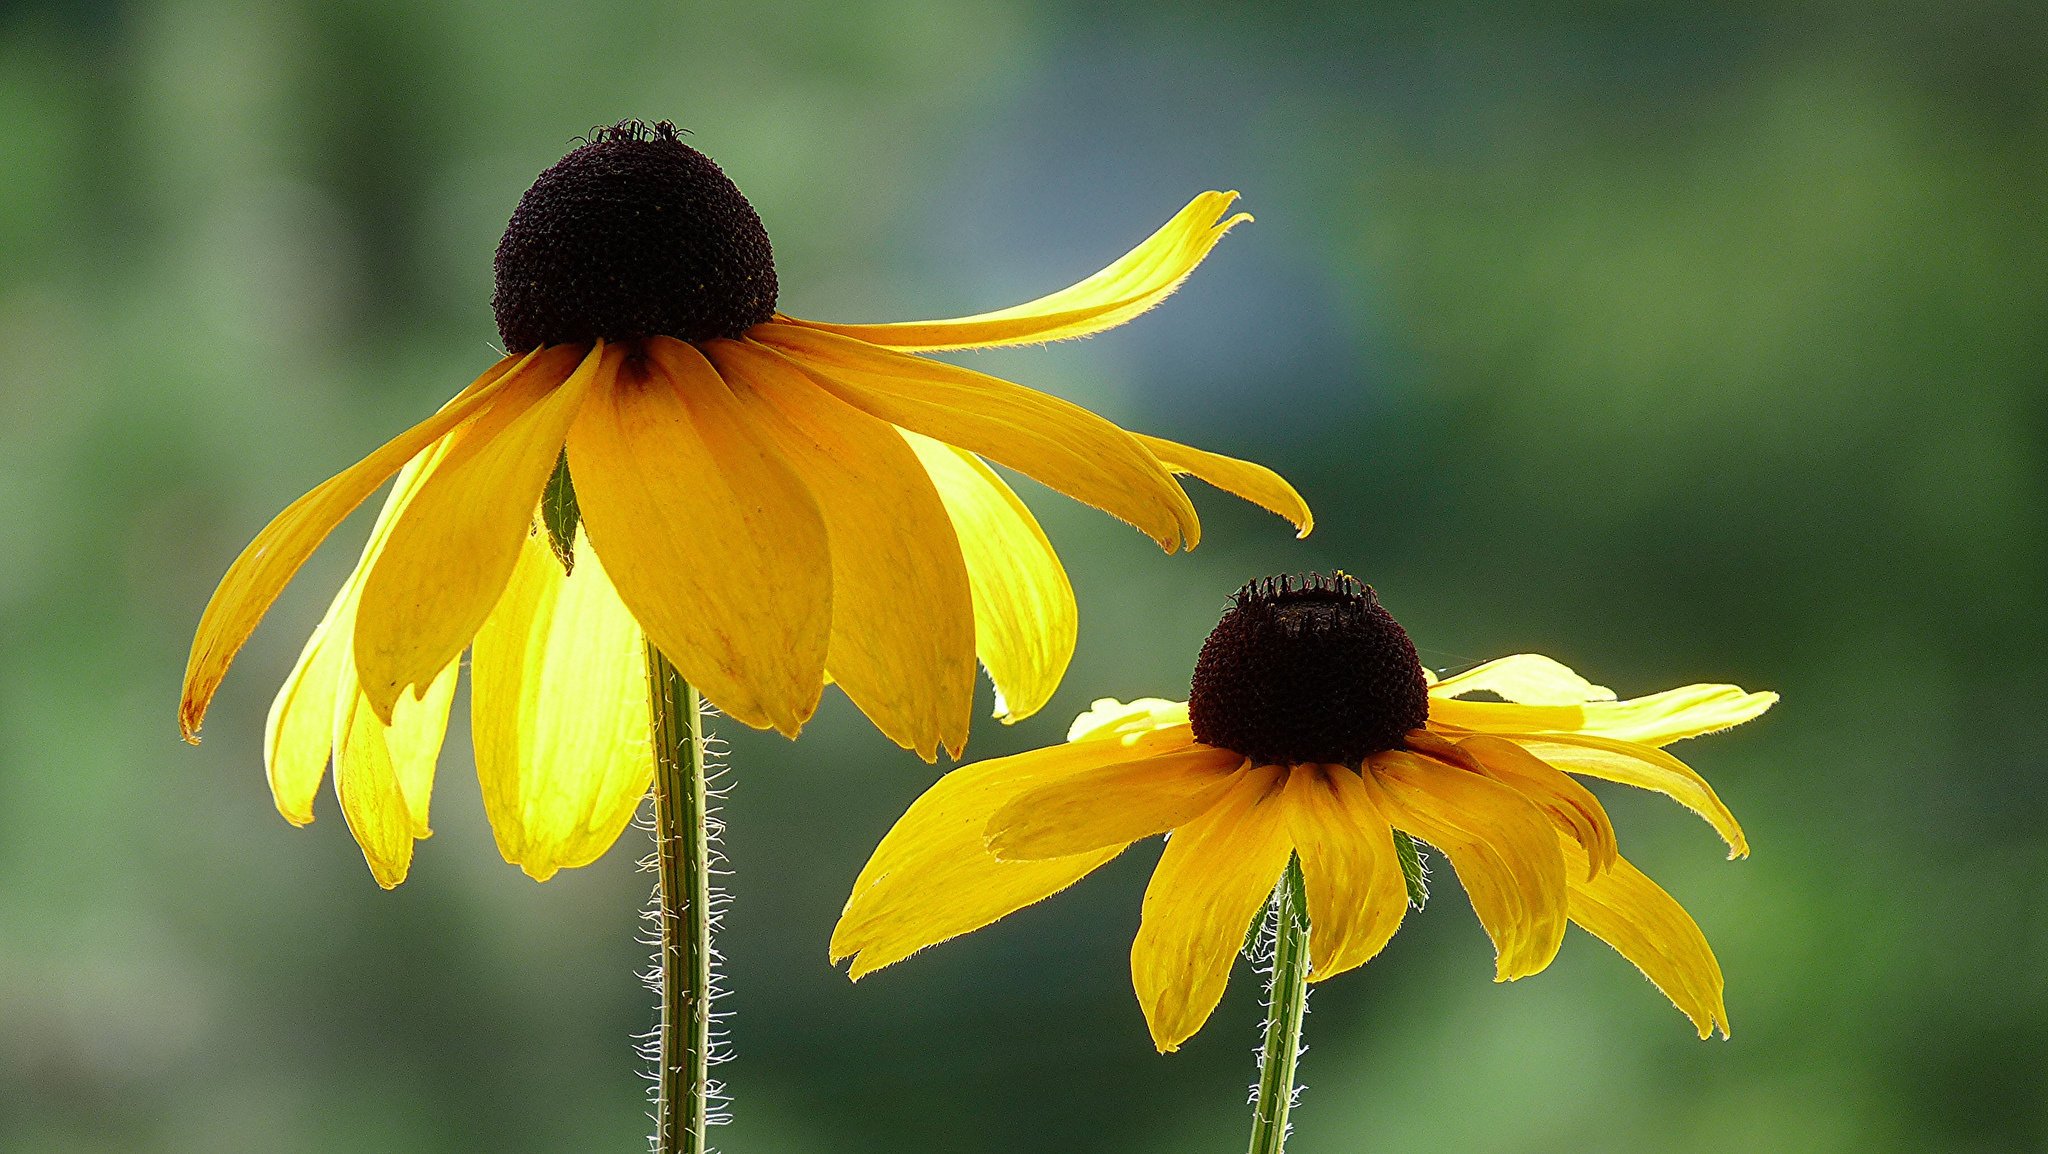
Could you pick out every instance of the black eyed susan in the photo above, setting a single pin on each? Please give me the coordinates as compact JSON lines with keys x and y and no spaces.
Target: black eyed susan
{"x":663,"y":457}
{"x":1314,"y":736}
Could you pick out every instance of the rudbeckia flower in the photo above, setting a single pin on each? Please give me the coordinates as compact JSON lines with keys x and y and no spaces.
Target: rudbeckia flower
{"x":1313,"y":734}
{"x":774,"y":503}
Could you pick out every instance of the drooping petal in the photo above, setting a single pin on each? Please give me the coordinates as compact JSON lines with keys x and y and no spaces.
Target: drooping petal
{"x":1216,"y":873}
{"x":1643,"y":766}
{"x":932,"y":877}
{"x":1140,"y":279}
{"x":263,"y":569}
{"x":1503,"y":716}
{"x":1570,"y":806}
{"x":1253,"y":482}
{"x":1050,"y":440}
{"x":1526,"y":678}
{"x":712,"y":540}
{"x":1676,"y":714}
{"x":1356,"y":895}
{"x":1644,"y":924}
{"x":1505,"y":852}
{"x":1108,"y":717}
{"x":1025,"y":620}
{"x":372,"y":799}
{"x":558,"y":706}
{"x":903,"y":621}
{"x":450,"y":553}
{"x":1112,"y":806}
{"x":299,"y":733}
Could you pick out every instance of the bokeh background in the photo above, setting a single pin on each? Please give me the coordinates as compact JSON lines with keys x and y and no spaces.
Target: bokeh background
{"x":1681,"y":341}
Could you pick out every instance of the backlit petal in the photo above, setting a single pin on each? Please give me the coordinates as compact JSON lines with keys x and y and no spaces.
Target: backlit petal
{"x":1356,"y":895}
{"x":450,"y":553}
{"x":902,"y":643}
{"x":558,"y":705}
{"x":261,"y":572}
{"x":1569,"y":805}
{"x":1505,"y":852}
{"x":1502,"y":716}
{"x":1216,"y":873}
{"x":932,"y":877}
{"x":1644,"y":766}
{"x":1108,"y":717}
{"x":1253,"y":482}
{"x":372,"y":800}
{"x":1111,"y":806}
{"x":1050,"y":440}
{"x":1527,"y":678}
{"x":1140,"y":279}
{"x":1025,"y":620}
{"x":1676,"y":714}
{"x":711,"y":539}
{"x":1645,"y":925}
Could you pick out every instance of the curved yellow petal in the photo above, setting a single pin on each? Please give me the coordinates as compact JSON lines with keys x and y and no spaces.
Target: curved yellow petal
{"x":1216,"y":873}
{"x":1643,"y":766}
{"x":1111,"y":806}
{"x":267,"y":564}
{"x":299,"y":733}
{"x":712,"y":540}
{"x":1356,"y":893}
{"x":932,"y":877}
{"x":372,"y":799}
{"x":448,"y":556}
{"x":1050,"y":440}
{"x":1644,"y":924}
{"x":1525,"y":678}
{"x":558,"y":708}
{"x":1503,"y":716}
{"x":1505,"y":852}
{"x":1570,"y":806}
{"x":1676,"y":714}
{"x":1108,"y":717}
{"x":1025,"y":620}
{"x":902,"y":644}
{"x":1253,"y":482}
{"x":1140,"y":279}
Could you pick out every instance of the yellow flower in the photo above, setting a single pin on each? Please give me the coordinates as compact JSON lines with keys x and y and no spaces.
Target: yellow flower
{"x":1312,"y":731}
{"x":774,"y":502}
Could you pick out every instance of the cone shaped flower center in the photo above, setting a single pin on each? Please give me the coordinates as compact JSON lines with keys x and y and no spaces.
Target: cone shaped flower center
{"x":635,"y":234}
{"x":1307,"y":671}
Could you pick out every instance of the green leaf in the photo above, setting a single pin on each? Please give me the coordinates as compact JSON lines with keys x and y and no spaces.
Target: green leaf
{"x":1413,"y":871}
{"x":559,"y":513}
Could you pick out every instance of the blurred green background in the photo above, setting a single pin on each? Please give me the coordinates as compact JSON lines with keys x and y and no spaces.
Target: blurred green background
{"x":1679,"y":341}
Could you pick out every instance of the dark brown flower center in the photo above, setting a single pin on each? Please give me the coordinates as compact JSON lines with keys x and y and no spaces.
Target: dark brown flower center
{"x":1309,"y":670}
{"x":635,"y":234}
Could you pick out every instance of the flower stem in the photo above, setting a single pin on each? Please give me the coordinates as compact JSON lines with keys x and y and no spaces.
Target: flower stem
{"x":1286,"y":1004}
{"x":682,"y":854}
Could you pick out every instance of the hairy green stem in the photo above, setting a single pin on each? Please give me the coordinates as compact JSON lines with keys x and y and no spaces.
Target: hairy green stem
{"x":682,"y":855}
{"x":1286,"y":1004}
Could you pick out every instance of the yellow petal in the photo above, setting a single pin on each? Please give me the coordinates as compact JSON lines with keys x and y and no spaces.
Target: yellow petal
{"x":1570,"y":806}
{"x":711,"y":539}
{"x":1108,"y":717}
{"x":558,"y":706}
{"x":449,"y":555}
{"x":1142,"y":278}
{"x":1503,"y":717}
{"x":1356,"y":893}
{"x":261,"y":572}
{"x":1676,"y":714}
{"x":1050,"y":440}
{"x":932,"y":877}
{"x":1025,"y":620}
{"x":1253,"y":482}
{"x":902,"y":643}
{"x":372,"y":799}
{"x":299,"y":734}
{"x":1527,"y":678}
{"x":1505,"y":852}
{"x":1645,"y":925}
{"x":1216,"y":873}
{"x":1643,"y":766}
{"x":1111,"y":806}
